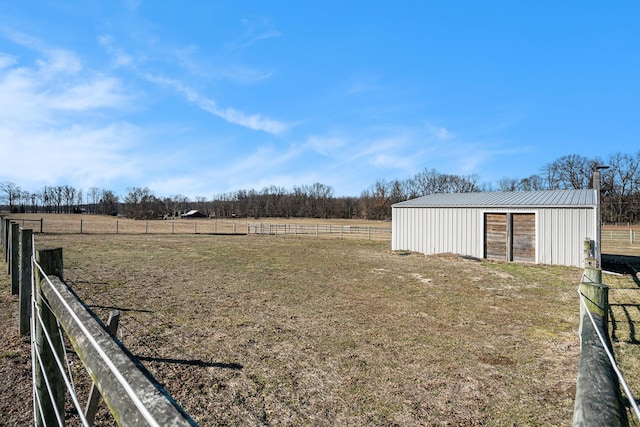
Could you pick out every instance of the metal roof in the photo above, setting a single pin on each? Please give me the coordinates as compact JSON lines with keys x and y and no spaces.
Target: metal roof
{"x":546,"y":198}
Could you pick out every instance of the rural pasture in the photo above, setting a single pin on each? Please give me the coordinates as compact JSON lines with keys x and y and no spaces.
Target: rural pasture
{"x":275,"y":330}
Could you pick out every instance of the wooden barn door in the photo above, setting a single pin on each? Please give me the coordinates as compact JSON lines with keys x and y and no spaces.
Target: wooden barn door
{"x":523,"y":240}
{"x":495,"y":236}
{"x":510,"y":237}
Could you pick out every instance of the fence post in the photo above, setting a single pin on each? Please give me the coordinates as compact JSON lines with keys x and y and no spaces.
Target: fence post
{"x":116,"y":226}
{"x":26,"y":251}
{"x":41,"y":221}
{"x":80,"y":226}
{"x":5,"y":239}
{"x":596,"y":295}
{"x":51,"y":403}
{"x":2,"y":236}
{"x":14,"y":267}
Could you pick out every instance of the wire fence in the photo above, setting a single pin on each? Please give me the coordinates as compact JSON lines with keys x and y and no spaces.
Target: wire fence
{"x":630,"y":236}
{"x":58,"y":320}
{"x":62,"y":365}
{"x":614,"y":365}
{"x":105,"y":225}
{"x":611,"y":235}
{"x":321,"y":230}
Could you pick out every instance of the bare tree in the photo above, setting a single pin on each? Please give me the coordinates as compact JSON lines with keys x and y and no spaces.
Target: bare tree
{"x":140,"y":203}
{"x":531,"y":183}
{"x":108,"y":204}
{"x":507,"y":184}
{"x":622,"y":187}
{"x":571,"y":172}
{"x":94,"y":198}
{"x":11,"y":193}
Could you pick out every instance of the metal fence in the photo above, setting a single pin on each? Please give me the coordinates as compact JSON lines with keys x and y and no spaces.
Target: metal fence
{"x":89,"y":225}
{"x":322,"y":230}
{"x":616,"y":235}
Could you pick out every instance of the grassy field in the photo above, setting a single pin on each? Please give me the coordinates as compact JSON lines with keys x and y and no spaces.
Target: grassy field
{"x":273,"y":330}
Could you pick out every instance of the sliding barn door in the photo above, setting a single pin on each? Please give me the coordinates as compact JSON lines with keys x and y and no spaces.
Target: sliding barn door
{"x":523,"y":240}
{"x":510,"y":237}
{"x":495,"y":236}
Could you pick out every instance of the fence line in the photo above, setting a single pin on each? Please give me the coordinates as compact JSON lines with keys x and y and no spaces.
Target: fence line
{"x":208,"y":226}
{"x":318,"y":230}
{"x":612,"y":360}
{"x":631,"y":236}
{"x":598,"y":397}
{"x":132,"y":395}
{"x":85,"y":225}
{"x":60,"y":364}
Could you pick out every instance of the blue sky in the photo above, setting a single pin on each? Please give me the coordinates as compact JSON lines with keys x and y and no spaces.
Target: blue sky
{"x":205,"y":97}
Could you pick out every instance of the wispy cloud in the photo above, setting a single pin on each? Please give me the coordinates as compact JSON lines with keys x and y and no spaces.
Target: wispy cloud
{"x":120,"y":57}
{"x":81,"y":155}
{"x":256,"y":30}
{"x":439,"y":132}
{"x":47,"y":118}
{"x":231,"y":115}
{"x":325,"y":145}
{"x":42,"y":93}
{"x":6,"y":60}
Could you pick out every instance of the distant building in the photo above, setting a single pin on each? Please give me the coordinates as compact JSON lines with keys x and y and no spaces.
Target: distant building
{"x":542,"y":227}
{"x":193,"y":214}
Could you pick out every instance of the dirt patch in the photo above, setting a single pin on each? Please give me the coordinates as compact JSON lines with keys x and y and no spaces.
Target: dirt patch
{"x":15,"y":361}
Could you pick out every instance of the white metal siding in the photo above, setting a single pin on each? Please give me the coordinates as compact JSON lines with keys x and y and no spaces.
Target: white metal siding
{"x":560,"y":232}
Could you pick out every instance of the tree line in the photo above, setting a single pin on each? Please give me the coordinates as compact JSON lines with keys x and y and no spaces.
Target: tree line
{"x":620,"y":185}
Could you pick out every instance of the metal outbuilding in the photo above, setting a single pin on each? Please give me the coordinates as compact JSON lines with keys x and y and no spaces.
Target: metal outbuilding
{"x":193,"y":214}
{"x":542,"y":227}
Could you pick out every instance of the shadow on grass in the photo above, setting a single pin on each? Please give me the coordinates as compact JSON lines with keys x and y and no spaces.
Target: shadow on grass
{"x":627,"y":265}
{"x":109,"y":307}
{"x":199,"y":363}
{"x":626,"y":308}
{"x":622,"y":264}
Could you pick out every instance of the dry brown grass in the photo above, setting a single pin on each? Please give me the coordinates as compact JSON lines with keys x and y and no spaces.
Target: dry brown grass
{"x":272,"y":330}
{"x":254,"y":330}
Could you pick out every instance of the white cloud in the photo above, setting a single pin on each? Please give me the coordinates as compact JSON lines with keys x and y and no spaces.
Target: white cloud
{"x":256,"y":31}
{"x":6,"y":61}
{"x":120,"y":57}
{"x":231,"y":115}
{"x":325,"y":145}
{"x":59,"y":61}
{"x":253,"y":121}
{"x":80,"y":155}
{"x":439,"y":132}
{"x":57,"y":84}
{"x":47,"y":120}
